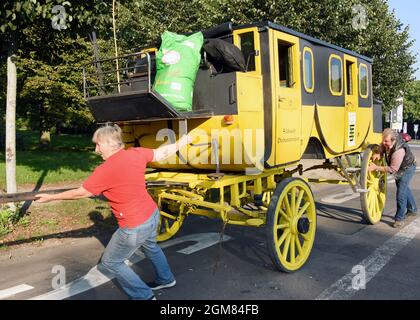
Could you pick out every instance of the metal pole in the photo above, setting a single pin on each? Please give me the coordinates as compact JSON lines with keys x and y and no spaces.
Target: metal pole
{"x":115,"y":44}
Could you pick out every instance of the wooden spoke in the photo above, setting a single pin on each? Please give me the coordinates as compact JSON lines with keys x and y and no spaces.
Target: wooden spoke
{"x":303,"y":209}
{"x":286,"y":247}
{"x":292,"y":249}
{"x":283,"y":236}
{"x":298,"y":245}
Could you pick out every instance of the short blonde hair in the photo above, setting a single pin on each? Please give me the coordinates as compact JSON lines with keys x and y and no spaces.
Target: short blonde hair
{"x":388,"y":132}
{"x":109,"y":133}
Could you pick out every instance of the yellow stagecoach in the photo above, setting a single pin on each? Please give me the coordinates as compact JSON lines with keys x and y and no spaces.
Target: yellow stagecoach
{"x":299,"y":98}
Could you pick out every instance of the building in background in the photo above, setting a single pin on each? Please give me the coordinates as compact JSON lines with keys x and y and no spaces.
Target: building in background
{"x":396,"y":116}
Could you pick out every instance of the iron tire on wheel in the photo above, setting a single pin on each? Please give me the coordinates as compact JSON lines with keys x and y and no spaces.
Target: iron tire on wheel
{"x":373,"y":201}
{"x":291,"y":224}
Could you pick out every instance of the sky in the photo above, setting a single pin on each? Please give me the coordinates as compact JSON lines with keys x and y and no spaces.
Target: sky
{"x":407,"y":11}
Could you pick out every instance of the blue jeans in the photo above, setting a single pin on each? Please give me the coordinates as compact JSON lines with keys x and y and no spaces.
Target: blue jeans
{"x":123,"y":244}
{"x":405,"y":199}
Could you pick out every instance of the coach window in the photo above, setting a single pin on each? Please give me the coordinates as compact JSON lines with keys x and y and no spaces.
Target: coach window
{"x":246,"y":41}
{"x":336,"y":75}
{"x":285,"y":51}
{"x":363,"y":81}
{"x":308,"y":69}
{"x":349,"y":78}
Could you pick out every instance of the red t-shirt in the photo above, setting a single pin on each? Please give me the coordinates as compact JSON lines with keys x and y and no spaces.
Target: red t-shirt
{"x":121,"y":180}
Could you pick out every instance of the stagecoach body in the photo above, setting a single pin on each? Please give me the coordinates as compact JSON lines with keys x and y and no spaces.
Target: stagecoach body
{"x":298,"y":98}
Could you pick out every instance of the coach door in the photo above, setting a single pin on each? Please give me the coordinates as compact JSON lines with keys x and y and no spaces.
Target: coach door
{"x":288,"y":111}
{"x":352,"y":132}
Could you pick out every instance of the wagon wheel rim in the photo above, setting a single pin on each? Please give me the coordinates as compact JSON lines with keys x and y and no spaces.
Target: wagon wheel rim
{"x":168,"y":226}
{"x":294,"y":225}
{"x":170,"y":222}
{"x":373,"y":201}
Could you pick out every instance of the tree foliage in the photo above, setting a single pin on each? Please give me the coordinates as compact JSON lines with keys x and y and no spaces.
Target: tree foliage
{"x":49,"y":60}
{"x":141,"y":22}
{"x":412,"y":102}
{"x":384,"y":39}
{"x":51,"y":91}
{"x":47,"y":56}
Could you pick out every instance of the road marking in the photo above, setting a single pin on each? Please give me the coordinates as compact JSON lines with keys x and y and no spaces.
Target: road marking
{"x":342,"y":289}
{"x":14,"y":290}
{"x":340,"y":197}
{"x":95,"y":278}
{"x":204,"y":241}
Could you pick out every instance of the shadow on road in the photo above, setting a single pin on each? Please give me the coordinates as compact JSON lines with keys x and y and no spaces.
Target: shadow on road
{"x":346,"y":214}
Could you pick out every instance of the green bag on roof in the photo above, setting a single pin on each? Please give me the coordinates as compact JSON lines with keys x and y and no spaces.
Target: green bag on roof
{"x":177,"y":62}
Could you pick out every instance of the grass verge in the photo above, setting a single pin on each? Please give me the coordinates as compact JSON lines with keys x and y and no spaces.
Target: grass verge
{"x":58,"y":220}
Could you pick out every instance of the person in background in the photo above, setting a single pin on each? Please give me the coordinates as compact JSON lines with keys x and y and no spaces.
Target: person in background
{"x":401,"y":162}
{"x":121,"y":179}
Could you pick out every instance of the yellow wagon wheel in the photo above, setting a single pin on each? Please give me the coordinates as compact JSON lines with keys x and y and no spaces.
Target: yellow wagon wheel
{"x":372,"y":201}
{"x":170,"y":222}
{"x":291,"y":224}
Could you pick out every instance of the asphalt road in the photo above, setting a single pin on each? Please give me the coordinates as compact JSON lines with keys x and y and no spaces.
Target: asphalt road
{"x":349,"y":260}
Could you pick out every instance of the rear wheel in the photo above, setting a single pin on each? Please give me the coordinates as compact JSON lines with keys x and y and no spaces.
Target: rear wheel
{"x":169,"y":225}
{"x":171,"y":217}
{"x":291,"y":224}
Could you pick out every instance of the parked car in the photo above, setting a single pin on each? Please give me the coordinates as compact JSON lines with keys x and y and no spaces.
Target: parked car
{"x":406,"y":137}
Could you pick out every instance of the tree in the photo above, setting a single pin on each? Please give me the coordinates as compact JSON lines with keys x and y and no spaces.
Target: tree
{"x":382,"y":38}
{"x":50,"y":81}
{"x":412,"y":102}
{"x":140,"y":23}
{"x":15,"y":17}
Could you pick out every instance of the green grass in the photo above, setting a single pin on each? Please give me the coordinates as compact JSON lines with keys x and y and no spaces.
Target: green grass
{"x":69,"y":158}
{"x":29,"y":140}
{"x":33,"y":167}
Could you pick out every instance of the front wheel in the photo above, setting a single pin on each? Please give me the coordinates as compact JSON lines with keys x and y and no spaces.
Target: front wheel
{"x":291,"y":224}
{"x":375,"y":185}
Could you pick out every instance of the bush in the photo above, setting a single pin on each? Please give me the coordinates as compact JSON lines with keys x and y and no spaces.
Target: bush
{"x":8,"y":218}
{"x":5,"y":215}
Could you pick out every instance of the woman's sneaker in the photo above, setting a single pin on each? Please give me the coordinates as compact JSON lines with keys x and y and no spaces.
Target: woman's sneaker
{"x":398,"y":224}
{"x":157,"y":286}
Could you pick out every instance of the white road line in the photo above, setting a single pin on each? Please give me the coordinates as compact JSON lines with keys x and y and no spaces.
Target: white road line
{"x":340,"y":197}
{"x":343,"y":289}
{"x":95,"y":278}
{"x":14,"y":290}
